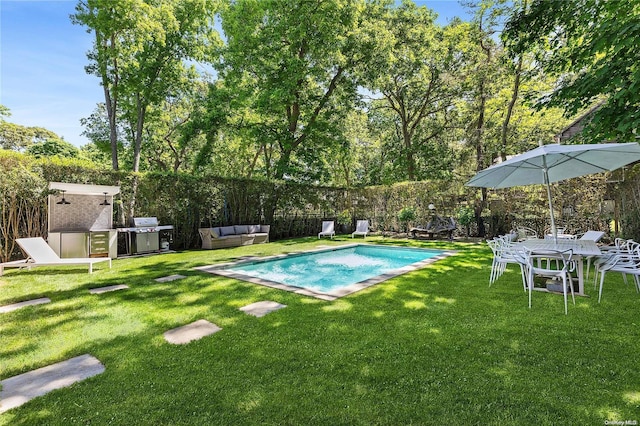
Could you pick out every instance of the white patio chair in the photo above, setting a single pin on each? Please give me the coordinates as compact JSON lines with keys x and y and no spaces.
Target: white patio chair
{"x":564,"y":259}
{"x":620,"y":247}
{"x":525,"y":233}
{"x":504,"y":253}
{"x":328,"y":229}
{"x":362,"y":228}
{"x":594,"y":236}
{"x":625,"y":263}
{"x":40,"y":254}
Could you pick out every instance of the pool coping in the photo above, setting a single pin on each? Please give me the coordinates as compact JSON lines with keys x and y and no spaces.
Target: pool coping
{"x":219,"y":269}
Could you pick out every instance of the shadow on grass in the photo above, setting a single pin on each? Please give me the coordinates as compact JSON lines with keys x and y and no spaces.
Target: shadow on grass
{"x":423,"y":348}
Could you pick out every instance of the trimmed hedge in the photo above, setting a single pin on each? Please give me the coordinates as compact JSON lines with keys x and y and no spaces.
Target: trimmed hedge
{"x":191,"y":201}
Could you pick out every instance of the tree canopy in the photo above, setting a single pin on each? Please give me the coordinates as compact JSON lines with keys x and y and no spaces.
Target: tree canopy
{"x":347,"y":92}
{"x":592,"y":47}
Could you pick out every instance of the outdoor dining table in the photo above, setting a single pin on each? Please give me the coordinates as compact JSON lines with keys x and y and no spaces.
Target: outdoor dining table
{"x":580,"y":248}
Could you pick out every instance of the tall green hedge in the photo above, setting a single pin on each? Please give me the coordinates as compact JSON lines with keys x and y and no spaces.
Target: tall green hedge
{"x":189,"y":202}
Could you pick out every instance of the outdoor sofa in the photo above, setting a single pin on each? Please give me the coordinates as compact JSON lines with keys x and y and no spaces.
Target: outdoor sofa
{"x":233,"y":236}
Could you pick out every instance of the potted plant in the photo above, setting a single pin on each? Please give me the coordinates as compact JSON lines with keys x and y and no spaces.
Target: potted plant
{"x":466,"y":216}
{"x":406,"y":215}
{"x":344,"y":221}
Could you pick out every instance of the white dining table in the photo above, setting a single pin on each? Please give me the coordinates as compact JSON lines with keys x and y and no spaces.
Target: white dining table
{"x":580,"y":248}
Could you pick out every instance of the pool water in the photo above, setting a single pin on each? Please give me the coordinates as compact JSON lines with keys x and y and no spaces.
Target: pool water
{"x":330,"y":270}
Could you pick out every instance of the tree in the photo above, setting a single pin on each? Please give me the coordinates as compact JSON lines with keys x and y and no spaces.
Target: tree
{"x":296,"y":65}
{"x":593,"y":49}
{"x":417,"y":81}
{"x":18,"y":138}
{"x":139,"y":53}
{"x":53,"y":147}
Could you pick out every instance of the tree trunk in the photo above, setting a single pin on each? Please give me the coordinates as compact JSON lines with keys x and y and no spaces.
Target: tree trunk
{"x":512,"y":103}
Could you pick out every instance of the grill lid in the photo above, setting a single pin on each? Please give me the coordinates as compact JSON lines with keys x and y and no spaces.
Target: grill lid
{"x":145,"y":222}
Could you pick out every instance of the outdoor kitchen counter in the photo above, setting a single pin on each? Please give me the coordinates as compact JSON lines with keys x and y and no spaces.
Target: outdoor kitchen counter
{"x":84,"y":243}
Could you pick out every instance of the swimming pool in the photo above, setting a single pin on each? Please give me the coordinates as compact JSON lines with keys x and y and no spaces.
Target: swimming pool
{"x":333,"y":272}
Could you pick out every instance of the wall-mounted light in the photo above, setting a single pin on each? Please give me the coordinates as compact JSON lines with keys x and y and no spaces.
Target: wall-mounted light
{"x":105,"y":202}
{"x":63,"y":201}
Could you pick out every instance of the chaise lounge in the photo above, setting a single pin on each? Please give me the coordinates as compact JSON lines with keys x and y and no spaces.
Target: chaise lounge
{"x":328,"y":229}
{"x":362,"y":228}
{"x":40,"y":254}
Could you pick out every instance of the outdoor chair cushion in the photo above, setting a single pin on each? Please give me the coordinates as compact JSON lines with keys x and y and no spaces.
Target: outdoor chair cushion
{"x":241,"y":229}
{"x":227,"y":230}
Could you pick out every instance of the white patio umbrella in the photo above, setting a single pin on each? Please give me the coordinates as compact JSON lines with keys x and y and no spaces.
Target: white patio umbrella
{"x":553,"y":163}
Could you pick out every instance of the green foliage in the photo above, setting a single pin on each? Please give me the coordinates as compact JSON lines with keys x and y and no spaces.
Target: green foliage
{"x":406,"y":215}
{"x":16,"y":137}
{"x":591,"y":47}
{"x":344,"y":217}
{"x":140,"y":53}
{"x":466,"y":216}
{"x":22,"y":201}
{"x":418,"y":83}
{"x":294,"y":66}
{"x":53,"y":148}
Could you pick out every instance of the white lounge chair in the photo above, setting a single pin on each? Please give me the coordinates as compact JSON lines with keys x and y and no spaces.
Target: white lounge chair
{"x":328,"y":229}
{"x":362,"y":228}
{"x":40,"y":254}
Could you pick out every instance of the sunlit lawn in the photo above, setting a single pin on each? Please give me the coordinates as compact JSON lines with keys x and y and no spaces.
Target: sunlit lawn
{"x":435,"y":346}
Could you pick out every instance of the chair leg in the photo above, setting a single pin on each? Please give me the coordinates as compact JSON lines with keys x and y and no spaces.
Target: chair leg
{"x":530,"y":286}
{"x":564,"y":292}
{"x":493,"y":271}
{"x":602,"y":273}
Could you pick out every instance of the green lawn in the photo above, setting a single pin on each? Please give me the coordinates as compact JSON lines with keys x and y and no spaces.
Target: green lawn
{"x":435,"y":346}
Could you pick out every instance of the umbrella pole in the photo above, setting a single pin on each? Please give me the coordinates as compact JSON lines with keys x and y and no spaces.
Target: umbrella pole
{"x":553,"y":220}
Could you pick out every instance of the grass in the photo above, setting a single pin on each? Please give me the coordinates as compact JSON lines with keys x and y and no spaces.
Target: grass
{"x":435,"y":346}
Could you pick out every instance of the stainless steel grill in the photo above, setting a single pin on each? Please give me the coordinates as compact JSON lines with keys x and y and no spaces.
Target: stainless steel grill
{"x":144,"y":235}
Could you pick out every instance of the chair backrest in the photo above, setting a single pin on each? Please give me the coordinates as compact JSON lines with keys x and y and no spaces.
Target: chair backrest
{"x":362,"y":226}
{"x":327,"y":226}
{"x":592,"y":235}
{"x":494,"y":245}
{"x":565,"y":257}
{"x":38,"y":250}
{"x":525,"y":233}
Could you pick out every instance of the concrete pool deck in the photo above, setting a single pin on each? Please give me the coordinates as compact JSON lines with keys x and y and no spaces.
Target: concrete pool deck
{"x":221,"y":269}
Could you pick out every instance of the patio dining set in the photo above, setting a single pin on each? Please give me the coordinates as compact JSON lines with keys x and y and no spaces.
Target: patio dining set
{"x":560,"y":256}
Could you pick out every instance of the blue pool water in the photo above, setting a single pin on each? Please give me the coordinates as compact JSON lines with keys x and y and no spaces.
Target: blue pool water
{"x":326,"y":271}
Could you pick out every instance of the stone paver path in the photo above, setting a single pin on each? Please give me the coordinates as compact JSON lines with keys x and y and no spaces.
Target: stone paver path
{"x":19,"y":389}
{"x":260,"y":309}
{"x":194,"y":331}
{"x":14,"y":306}
{"x":170,"y":278}
{"x":101,"y":290}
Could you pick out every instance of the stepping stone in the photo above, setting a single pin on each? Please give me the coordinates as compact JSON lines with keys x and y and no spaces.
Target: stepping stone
{"x":187,"y":333}
{"x":260,"y":309}
{"x":101,"y":290}
{"x":19,"y":389}
{"x":14,"y":306}
{"x":170,"y":278}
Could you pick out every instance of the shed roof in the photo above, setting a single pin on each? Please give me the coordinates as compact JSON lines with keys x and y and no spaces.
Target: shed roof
{"x":84,"y":189}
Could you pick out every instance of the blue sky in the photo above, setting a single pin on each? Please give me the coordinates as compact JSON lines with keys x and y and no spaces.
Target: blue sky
{"x":42,"y":60}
